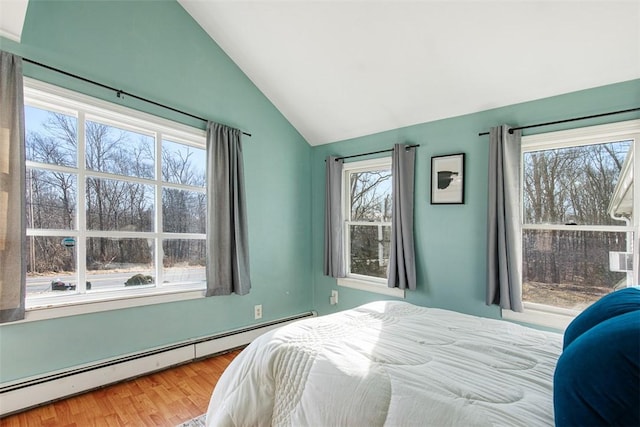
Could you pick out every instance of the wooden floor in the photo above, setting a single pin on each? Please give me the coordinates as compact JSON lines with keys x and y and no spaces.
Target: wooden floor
{"x":165,"y":398}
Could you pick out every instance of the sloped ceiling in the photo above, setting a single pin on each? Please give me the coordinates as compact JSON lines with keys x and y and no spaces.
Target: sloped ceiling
{"x":12,"y":13}
{"x":343,"y":69}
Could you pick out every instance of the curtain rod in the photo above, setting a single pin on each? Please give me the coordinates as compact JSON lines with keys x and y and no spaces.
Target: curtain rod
{"x":374,"y":152}
{"x":568,"y":120}
{"x":119,"y":93}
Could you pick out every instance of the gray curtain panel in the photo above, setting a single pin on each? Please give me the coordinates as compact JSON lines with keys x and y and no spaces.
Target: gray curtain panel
{"x":402,"y":258}
{"x":333,"y":219}
{"x":504,"y":241}
{"x":12,"y":190}
{"x":227,"y":241}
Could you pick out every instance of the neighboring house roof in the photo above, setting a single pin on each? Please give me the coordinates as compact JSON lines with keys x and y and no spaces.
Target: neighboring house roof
{"x":621,"y":203}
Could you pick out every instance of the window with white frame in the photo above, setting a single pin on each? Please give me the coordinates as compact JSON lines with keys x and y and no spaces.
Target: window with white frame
{"x":115,"y":200}
{"x":367,"y":210}
{"x":579,"y":231}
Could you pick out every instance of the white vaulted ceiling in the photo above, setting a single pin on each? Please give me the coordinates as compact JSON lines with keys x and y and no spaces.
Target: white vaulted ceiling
{"x":343,"y":69}
{"x":12,"y":13}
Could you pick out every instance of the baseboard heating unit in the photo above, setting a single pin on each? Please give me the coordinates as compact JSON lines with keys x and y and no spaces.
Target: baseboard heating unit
{"x":25,"y":393}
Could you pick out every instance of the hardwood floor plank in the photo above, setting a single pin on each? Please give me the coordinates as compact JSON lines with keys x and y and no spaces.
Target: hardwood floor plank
{"x":166,"y":398}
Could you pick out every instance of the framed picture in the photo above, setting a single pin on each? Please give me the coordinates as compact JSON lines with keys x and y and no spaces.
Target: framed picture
{"x":447,"y":179}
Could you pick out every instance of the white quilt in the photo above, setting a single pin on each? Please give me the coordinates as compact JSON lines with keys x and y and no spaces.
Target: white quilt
{"x":391,"y":363}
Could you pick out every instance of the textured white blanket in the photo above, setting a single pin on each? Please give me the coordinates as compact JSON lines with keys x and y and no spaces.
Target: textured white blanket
{"x":395,"y":364}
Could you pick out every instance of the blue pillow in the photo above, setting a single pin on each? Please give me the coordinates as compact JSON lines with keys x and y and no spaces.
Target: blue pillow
{"x":597,"y":378}
{"x":610,"y":305}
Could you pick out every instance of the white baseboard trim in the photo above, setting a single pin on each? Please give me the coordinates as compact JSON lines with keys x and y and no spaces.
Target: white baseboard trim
{"x":26,"y":393}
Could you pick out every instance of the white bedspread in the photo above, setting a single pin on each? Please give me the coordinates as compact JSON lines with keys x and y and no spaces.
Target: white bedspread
{"x":391,"y":363}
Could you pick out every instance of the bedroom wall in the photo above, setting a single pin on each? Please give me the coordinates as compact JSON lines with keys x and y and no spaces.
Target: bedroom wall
{"x":450,"y":239}
{"x":156,"y":50}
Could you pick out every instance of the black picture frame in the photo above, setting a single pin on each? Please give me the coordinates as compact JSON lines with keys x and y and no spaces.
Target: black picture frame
{"x":447,"y":179}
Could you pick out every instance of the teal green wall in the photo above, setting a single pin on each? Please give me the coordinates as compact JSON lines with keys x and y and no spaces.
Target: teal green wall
{"x":450,"y":239}
{"x":154,"y":49}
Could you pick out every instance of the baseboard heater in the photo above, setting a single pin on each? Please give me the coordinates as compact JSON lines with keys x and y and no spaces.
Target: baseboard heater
{"x":23,"y":394}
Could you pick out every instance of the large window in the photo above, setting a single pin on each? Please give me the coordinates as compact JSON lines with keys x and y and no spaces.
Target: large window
{"x":115,"y":201}
{"x":367,"y":210}
{"x":579,"y":230}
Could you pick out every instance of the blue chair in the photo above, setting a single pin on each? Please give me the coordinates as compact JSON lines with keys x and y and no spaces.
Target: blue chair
{"x":597,"y":378}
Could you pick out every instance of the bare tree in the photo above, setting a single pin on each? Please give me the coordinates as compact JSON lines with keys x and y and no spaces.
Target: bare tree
{"x":183,"y":211}
{"x":571,"y":186}
{"x":369,"y":201}
{"x":370,"y":195}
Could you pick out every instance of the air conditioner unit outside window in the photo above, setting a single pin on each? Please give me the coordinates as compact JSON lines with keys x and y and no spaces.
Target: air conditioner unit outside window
{"x":621,"y":261}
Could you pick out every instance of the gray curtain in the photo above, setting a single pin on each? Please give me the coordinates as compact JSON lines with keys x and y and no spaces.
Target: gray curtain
{"x":333,"y":221}
{"x":12,"y":190}
{"x":227,"y":241}
{"x":504,"y":241}
{"x":402,"y":258}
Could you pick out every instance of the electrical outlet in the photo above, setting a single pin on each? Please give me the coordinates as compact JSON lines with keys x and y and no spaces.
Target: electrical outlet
{"x":334,"y":297}
{"x":257,"y":311}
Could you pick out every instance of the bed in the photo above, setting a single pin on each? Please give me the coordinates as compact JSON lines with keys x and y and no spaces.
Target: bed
{"x":391,"y":363}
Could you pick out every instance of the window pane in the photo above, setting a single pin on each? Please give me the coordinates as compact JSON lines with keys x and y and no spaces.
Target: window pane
{"x":51,"y":199}
{"x":572,"y":185}
{"x":569,"y":268}
{"x":182,"y":164}
{"x":51,"y":266}
{"x":184,"y":211}
{"x":119,"y":205}
{"x":50,"y":137}
{"x":119,"y":263}
{"x":118,"y":151}
{"x":370,"y":249}
{"x":184,"y":261}
{"x":370,"y":195}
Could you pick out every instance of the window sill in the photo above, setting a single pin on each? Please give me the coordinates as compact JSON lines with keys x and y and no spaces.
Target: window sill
{"x":542,"y":315}
{"x":363,"y":285}
{"x":42,"y":308}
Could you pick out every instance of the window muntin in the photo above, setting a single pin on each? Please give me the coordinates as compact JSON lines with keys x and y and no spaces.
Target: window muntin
{"x":568,"y":229}
{"x":84,"y":152}
{"x":367,"y":211}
